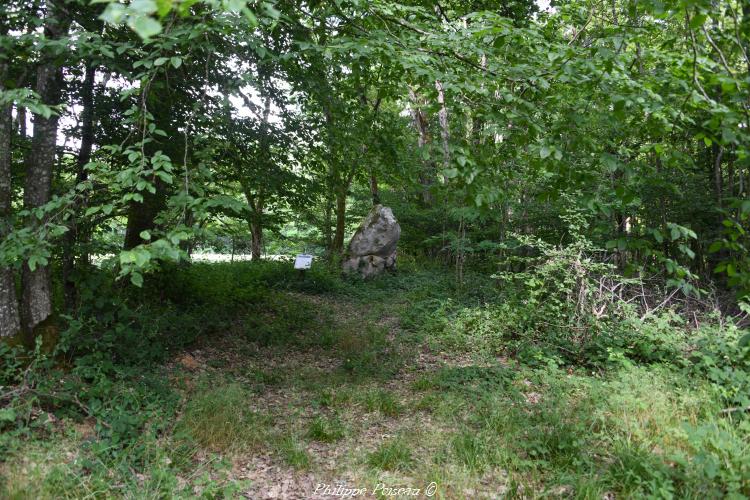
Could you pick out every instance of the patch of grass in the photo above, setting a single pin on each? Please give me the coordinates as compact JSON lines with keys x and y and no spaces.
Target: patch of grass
{"x":472,"y":451}
{"x":423,"y":383}
{"x":289,"y":320}
{"x":326,"y":429}
{"x":219,"y":418}
{"x":392,"y":455}
{"x":263,"y":378}
{"x":291,"y":450}
{"x":366,"y":353}
{"x":478,"y":381}
{"x":382,"y":401}
{"x":333,"y":397}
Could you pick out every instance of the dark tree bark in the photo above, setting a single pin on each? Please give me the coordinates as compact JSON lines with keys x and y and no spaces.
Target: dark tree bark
{"x":374,"y":191}
{"x":10,"y":323}
{"x":443,"y":119}
{"x":256,"y":201}
{"x":75,"y":231}
{"x":20,"y":123}
{"x":337,"y":246}
{"x":421,"y":124}
{"x":37,"y":288}
{"x":718,"y":155}
{"x":142,"y":216}
{"x":256,"y":240}
{"x":255,"y":222}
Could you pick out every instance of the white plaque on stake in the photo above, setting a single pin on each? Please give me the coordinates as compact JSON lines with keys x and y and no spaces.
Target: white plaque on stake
{"x":303,"y":261}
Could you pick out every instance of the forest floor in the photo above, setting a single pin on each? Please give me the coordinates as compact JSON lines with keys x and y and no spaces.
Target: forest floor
{"x":324,"y":394}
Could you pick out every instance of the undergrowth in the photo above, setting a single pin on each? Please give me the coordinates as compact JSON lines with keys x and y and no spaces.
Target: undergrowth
{"x":515,"y":394}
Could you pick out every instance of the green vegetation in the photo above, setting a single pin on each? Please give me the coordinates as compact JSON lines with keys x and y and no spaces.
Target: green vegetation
{"x":569,"y":309}
{"x":631,"y":416}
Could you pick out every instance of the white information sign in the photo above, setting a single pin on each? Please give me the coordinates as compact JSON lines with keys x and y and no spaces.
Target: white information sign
{"x":303,"y":261}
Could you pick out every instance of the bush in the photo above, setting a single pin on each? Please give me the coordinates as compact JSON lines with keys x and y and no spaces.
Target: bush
{"x":722,"y":356}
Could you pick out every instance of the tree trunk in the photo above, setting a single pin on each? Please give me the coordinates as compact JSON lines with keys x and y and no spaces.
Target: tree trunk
{"x":443,"y":119}
{"x":328,"y":222}
{"x":374,"y":191}
{"x":141,"y":216}
{"x":84,"y":157}
{"x":256,"y":240}
{"x":718,"y":184}
{"x":10,"y":323}
{"x":423,"y":138}
{"x":37,"y":287}
{"x":20,"y":124}
{"x":337,"y":248}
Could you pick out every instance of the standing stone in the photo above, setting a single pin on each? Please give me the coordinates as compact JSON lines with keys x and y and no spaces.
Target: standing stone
{"x":372,"y":249}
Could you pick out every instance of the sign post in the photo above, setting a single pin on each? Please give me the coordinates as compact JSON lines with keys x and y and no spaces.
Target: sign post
{"x":302,"y":263}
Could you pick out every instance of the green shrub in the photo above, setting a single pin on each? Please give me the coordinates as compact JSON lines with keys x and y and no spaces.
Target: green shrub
{"x":722,"y":356}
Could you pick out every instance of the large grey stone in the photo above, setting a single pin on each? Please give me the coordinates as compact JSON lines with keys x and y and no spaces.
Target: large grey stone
{"x":372,"y":249}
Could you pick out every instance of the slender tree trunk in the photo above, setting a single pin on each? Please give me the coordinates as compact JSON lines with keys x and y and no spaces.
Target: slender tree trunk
{"x":255,"y":222}
{"x":730,"y":175}
{"x":256,"y":240}
{"x":328,"y":222}
{"x":142,"y":216}
{"x":443,"y":119}
{"x":717,"y":159}
{"x":337,"y":247}
{"x":19,"y":127}
{"x":374,"y":191}
{"x":10,"y":323}
{"x":37,"y":288}
{"x":75,"y":231}
{"x":421,"y":124}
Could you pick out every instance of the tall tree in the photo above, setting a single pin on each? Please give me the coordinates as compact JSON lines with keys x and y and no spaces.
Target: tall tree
{"x":10,"y":323}
{"x":37,"y":286}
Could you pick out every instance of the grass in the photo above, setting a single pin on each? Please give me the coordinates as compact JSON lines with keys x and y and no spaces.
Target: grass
{"x":292,"y":451}
{"x":320,"y":384}
{"x":381,"y":400}
{"x":392,"y":455}
{"x":326,"y":429}
{"x":220,"y":419}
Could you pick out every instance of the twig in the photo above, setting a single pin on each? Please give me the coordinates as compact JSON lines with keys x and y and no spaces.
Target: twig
{"x":734,"y":409}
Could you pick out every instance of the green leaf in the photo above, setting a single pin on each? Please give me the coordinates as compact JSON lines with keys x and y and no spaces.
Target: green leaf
{"x":136,"y":279}
{"x":160,"y":61}
{"x":544,"y":152}
{"x":716,"y":246}
{"x":142,"y":257}
{"x":235,"y":5}
{"x":113,"y":14}
{"x":146,"y":235}
{"x":176,"y":62}
{"x":744,"y":341}
{"x":144,"y":26}
{"x":143,"y":6}
{"x":163,"y":7}
{"x":127,"y":257}
{"x":7,"y":415}
{"x":698,"y":20}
